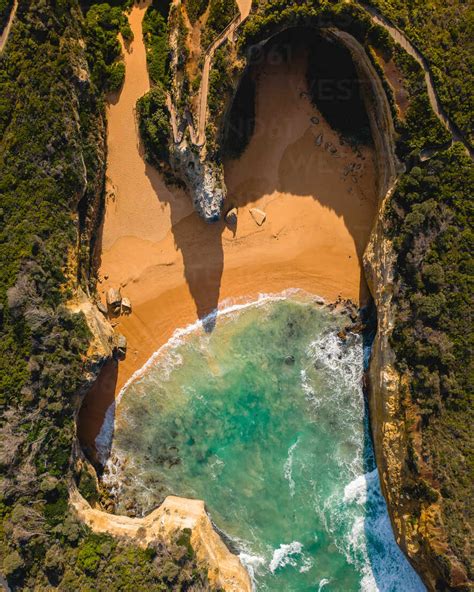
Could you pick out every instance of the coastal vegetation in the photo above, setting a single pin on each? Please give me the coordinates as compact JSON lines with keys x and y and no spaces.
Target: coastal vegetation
{"x":221,"y":13}
{"x":155,"y":35}
{"x":444,"y":31}
{"x":152,"y":110}
{"x":420,"y":127}
{"x":102,"y":24}
{"x":154,"y":124}
{"x":195,"y":9}
{"x":54,"y":74}
{"x":51,"y":160}
{"x":5,"y":9}
{"x":431,"y":225}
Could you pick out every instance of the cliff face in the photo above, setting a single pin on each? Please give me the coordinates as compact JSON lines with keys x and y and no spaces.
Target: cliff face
{"x":175,"y":514}
{"x":396,"y":426}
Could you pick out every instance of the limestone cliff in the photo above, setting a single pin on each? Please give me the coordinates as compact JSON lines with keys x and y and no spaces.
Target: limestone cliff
{"x":395,"y":427}
{"x":224,"y":569}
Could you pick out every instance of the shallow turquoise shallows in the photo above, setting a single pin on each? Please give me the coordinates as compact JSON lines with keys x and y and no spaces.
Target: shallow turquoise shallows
{"x":264,"y":418}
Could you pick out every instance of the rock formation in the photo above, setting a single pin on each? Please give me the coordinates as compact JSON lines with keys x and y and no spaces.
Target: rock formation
{"x":258,"y":215}
{"x":225,"y":570}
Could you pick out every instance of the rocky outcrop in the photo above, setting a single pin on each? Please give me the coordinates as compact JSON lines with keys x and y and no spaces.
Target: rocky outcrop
{"x":204,"y":180}
{"x":102,"y":342}
{"x":225,"y":570}
{"x":396,"y":427}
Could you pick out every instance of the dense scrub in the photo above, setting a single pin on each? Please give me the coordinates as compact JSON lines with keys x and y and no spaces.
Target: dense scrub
{"x":221,"y":13}
{"x":420,"y":128}
{"x":52,"y":168}
{"x":195,"y":9}
{"x":152,"y":111}
{"x":155,"y":35}
{"x":154,"y":125}
{"x":444,"y":32}
{"x":5,"y":9}
{"x":102,"y":23}
{"x":431,"y":224}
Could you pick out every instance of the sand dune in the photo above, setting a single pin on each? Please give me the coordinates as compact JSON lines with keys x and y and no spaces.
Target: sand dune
{"x":175,"y":268}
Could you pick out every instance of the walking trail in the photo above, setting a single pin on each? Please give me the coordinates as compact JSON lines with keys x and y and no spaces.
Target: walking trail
{"x":244,"y":10}
{"x":436,"y":105}
{"x":176,"y":269}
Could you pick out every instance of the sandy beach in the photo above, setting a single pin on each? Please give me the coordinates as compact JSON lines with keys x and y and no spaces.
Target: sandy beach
{"x":175,"y":268}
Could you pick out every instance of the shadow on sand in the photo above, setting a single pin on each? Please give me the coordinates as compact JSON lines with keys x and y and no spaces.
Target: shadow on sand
{"x":299,"y":171}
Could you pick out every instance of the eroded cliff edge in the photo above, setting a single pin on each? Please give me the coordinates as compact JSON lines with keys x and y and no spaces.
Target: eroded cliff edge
{"x":422,"y":538}
{"x":397,"y":422}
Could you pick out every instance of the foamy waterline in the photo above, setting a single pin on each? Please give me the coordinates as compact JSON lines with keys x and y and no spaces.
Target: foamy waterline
{"x":226,"y":308}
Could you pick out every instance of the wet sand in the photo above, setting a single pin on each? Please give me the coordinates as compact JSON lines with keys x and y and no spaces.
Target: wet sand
{"x":175,"y":268}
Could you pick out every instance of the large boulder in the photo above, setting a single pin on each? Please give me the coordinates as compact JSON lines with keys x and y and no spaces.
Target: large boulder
{"x":258,"y":215}
{"x":126,"y":305}
{"x":114,"y":298}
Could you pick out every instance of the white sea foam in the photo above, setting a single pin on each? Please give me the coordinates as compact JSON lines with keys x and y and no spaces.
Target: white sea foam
{"x":285,"y":555}
{"x":357,"y":489}
{"x":226,"y":308}
{"x":252,"y":564}
{"x":344,"y":363}
{"x":288,"y":468}
{"x":370,"y":544}
{"x":307,"y":565}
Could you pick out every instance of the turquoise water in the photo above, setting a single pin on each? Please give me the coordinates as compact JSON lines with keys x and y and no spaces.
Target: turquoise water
{"x":264,"y":419}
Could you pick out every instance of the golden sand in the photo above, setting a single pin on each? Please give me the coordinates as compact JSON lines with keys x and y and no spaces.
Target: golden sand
{"x":175,"y":268}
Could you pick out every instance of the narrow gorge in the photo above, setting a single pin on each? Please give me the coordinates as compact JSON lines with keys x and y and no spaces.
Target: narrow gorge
{"x":236,"y":297}
{"x":317,"y":197}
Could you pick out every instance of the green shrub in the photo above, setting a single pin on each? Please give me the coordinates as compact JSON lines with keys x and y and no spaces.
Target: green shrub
{"x":195,"y":9}
{"x":102,"y":25}
{"x":155,"y":35}
{"x":154,"y":124}
{"x":221,"y":13}
{"x":431,"y":216}
{"x":5,"y":9}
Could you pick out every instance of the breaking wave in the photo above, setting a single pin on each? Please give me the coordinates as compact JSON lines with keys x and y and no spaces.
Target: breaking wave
{"x":265,"y":420}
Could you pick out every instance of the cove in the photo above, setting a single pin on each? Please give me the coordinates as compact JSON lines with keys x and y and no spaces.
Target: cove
{"x":265,"y":419}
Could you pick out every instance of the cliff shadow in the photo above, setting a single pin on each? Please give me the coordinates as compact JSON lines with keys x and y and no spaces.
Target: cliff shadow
{"x":291,"y":150}
{"x":293,"y":129}
{"x":98,"y":400}
{"x":200,"y":245}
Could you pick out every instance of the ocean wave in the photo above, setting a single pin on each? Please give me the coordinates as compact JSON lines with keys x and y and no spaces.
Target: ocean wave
{"x":344,"y":363}
{"x":357,"y":489}
{"x":252,"y":564}
{"x":370,"y":543}
{"x":288,"y":468}
{"x":285,"y":555}
{"x":322,"y":583}
{"x":227,"y":307}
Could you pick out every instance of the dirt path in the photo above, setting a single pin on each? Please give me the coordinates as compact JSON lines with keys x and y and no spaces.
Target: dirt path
{"x":400,"y":38}
{"x":175,"y":268}
{"x":7,"y":29}
{"x":244,"y":11}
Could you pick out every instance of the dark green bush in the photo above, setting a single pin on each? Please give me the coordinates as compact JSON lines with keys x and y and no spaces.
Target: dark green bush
{"x":221,"y":13}
{"x":5,"y":9}
{"x":154,"y":124}
{"x":431,"y":216}
{"x":102,"y":25}
{"x":195,"y":9}
{"x":155,"y":34}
